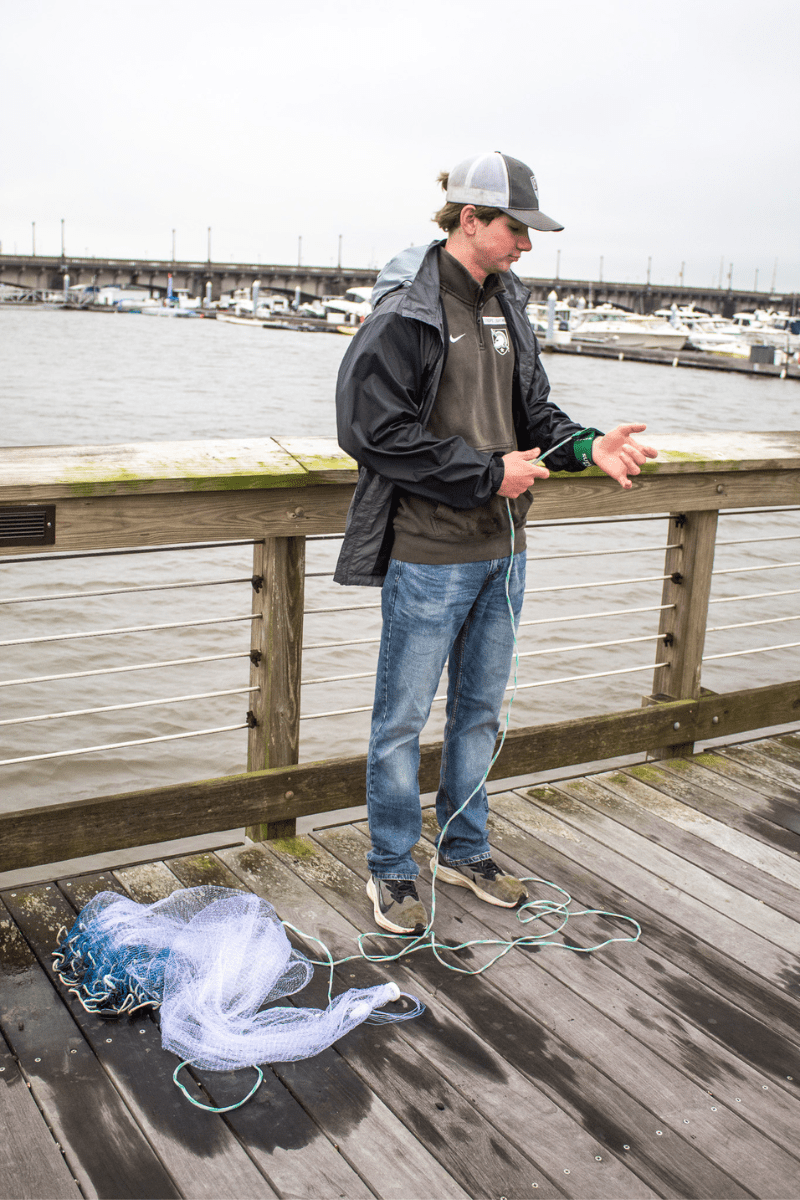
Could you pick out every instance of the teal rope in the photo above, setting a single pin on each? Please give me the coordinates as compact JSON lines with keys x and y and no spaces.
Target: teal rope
{"x":532,"y":910}
{"x":209,"y":1107}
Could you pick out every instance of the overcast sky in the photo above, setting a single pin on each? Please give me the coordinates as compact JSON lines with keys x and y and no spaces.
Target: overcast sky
{"x":661,"y":130}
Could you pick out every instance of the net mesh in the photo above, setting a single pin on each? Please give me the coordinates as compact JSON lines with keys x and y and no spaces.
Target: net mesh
{"x":210,"y":958}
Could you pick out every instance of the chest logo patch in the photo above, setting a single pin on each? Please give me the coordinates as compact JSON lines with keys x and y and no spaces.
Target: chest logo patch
{"x":500,"y":340}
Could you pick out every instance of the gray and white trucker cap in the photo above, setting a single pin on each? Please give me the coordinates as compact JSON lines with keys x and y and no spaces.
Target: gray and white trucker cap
{"x":498,"y":181}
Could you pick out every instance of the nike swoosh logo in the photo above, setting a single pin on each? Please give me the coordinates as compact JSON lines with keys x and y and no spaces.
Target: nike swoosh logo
{"x":458,"y":339}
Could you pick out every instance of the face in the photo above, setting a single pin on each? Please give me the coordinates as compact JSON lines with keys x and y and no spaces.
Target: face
{"x":498,"y":245}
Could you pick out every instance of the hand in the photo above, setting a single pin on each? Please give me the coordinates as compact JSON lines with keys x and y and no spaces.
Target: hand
{"x":620,"y":455}
{"x":521,"y":470}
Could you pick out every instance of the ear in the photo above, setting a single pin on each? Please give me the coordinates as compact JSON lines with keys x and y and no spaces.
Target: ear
{"x":467,"y":220}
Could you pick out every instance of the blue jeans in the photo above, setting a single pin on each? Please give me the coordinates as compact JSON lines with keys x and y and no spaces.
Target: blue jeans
{"x":457,"y":614}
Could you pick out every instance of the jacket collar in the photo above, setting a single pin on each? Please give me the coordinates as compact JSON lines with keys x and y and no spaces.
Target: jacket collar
{"x":416,"y":272}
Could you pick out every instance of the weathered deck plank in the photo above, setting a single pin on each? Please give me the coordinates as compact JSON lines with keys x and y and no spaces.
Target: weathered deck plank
{"x":419,"y":1096}
{"x":379,"y":1147}
{"x":638,"y":998}
{"x":666,"y":1068}
{"x":734,"y":806}
{"x":690,"y":936}
{"x":277,"y":1132}
{"x":764,"y":874}
{"x":755,"y":793}
{"x":512,"y":1027}
{"x":732,"y":919}
{"x":696,"y":985}
{"x":487,"y":1083}
{"x":31,"y":1164}
{"x":575,"y":1034}
{"x":760,"y":758}
{"x":106,"y":1151}
{"x":194,"y":1147}
{"x":465,"y":1062}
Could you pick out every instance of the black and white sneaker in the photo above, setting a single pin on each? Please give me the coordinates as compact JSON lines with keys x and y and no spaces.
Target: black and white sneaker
{"x":485,"y":879}
{"x":397,"y":906}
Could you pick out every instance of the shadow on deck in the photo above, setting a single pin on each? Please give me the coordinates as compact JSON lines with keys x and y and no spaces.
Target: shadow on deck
{"x":666,"y":1068}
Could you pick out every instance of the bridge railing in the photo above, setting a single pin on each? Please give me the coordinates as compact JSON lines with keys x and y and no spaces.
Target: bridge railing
{"x":277,"y":495}
{"x":316,"y":280}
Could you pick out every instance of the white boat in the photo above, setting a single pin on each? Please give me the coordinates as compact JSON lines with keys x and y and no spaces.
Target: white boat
{"x":167,"y":310}
{"x":353,"y":306}
{"x":768,"y":328}
{"x":539,"y":316}
{"x":731,"y":347}
{"x":176,"y":303}
{"x":735,"y":337}
{"x":236,"y":318}
{"x":619,"y":329}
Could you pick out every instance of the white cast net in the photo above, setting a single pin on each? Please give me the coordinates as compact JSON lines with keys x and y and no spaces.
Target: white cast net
{"x":211,"y":958}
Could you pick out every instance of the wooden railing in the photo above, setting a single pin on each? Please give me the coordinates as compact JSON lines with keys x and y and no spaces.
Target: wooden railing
{"x":278,"y":491}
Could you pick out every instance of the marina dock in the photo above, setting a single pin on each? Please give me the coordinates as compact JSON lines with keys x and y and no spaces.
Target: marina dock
{"x":670,"y":1067}
{"x":698,"y":359}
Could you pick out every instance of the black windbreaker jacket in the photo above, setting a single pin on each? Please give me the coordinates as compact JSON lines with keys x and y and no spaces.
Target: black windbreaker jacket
{"x":387,"y":384}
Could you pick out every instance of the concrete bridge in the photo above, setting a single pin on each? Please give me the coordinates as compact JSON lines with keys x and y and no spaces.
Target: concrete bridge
{"x":42,"y":273}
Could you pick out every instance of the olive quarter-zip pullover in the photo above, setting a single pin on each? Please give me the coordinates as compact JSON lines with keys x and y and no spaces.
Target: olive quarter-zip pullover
{"x":473,"y":402}
{"x":474,"y":396}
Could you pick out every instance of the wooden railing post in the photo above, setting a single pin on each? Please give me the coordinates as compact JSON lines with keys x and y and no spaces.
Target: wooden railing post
{"x":276,"y":646}
{"x":688,"y":565}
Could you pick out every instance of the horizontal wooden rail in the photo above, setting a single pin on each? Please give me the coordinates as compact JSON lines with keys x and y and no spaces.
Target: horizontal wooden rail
{"x":160,"y":493}
{"x":83,"y":827}
{"x":275,"y":492}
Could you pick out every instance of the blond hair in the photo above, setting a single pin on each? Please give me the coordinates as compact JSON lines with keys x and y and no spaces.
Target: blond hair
{"x":448,"y":217}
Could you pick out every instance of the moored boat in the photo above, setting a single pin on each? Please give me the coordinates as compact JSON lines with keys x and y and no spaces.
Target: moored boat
{"x":620,"y":329}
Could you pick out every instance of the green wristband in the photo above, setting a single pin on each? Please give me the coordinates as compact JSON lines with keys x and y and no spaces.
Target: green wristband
{"x":583,"y":450}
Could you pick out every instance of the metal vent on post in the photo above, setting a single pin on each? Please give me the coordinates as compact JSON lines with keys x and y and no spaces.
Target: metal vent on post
{"x":28,"y":525}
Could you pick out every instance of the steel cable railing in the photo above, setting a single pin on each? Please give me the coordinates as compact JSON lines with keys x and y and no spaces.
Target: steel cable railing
{"x":748,"y":570}
{"x":106,"y":708}
{"x":65,"y":555}
{"x":649,"y":637}
{"x":564,"y":617}
{"x":558,"y":587}
{"x":752,"y":650}
{"x":93,"y":633}
{"x":146,"y":666}
{"x":559,"y":617}
{"x":753,"y":596}
{"x":168,"y":737}
{"x":84,"y":673}
{"x":593,"y":616}
{"x":556,"y":557}
{"x":127,"y":591}
{"x":778,"y":537}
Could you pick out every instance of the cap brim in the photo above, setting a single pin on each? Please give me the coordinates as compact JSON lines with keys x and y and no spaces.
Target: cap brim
{"x":534,"y":219}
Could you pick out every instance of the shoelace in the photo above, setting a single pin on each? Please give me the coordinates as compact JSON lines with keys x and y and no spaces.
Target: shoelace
{"x":400,"y":889}
{"x":487,"y":869}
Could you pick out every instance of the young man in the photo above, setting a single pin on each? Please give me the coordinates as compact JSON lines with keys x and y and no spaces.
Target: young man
{"x":443,"y":402}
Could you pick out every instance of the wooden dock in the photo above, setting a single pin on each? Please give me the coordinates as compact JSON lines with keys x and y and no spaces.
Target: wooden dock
{"x":667,"y":1068}
{"x":699,"y":359}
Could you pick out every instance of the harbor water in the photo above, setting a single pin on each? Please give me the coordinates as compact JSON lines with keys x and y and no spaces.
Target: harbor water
{"x":75,"y":378}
